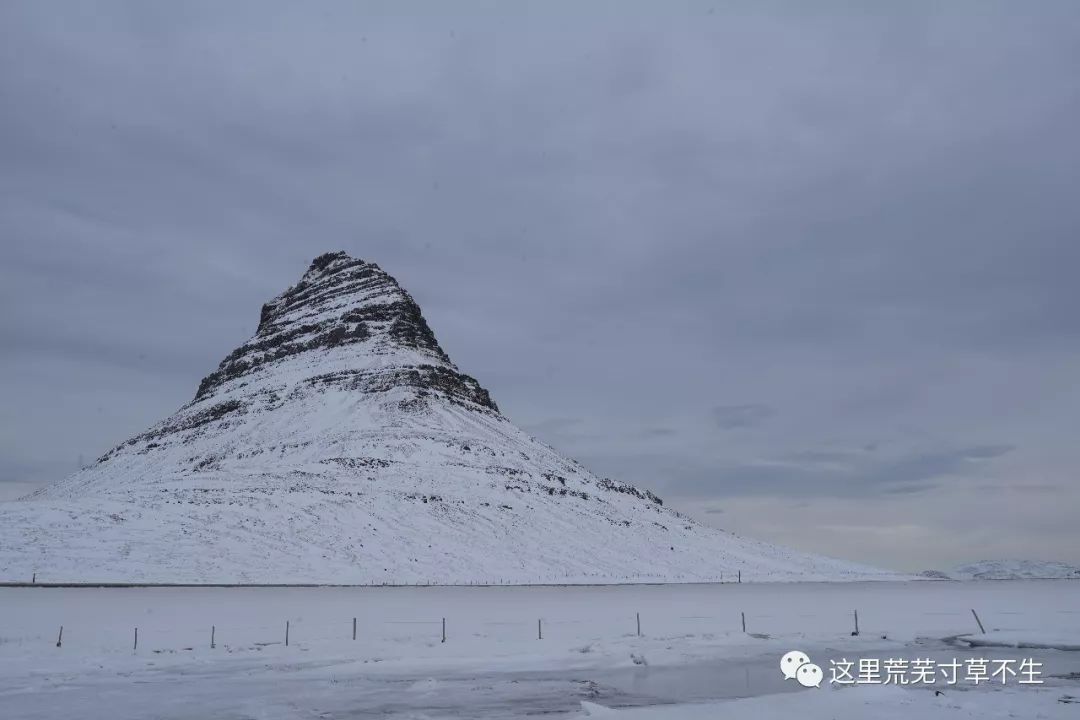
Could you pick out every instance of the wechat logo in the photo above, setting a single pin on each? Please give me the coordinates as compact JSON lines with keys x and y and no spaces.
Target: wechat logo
{"x":796,"y":666}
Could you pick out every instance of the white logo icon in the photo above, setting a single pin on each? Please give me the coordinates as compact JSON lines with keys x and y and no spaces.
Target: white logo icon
{"x":790,"y":663}
{"x":796,"y":665}
{"x":809,"y":675}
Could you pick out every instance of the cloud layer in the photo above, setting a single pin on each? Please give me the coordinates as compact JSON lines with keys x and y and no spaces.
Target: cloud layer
{"x":736,"y":254}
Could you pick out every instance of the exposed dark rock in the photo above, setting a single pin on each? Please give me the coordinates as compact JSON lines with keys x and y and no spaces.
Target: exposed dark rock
{"x":342,"y":301}
{"x":358,"y":462}
{"x":456,"y":386}
{"x":179,"y":424}
{"x":612,"y":485}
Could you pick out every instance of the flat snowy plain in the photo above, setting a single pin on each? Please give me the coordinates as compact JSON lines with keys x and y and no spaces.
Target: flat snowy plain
{"x":691,"y":660}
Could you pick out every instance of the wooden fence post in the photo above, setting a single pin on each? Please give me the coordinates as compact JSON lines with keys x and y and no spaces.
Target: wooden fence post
{"x":639,"y":624}
{"x":856,"y":623}
{"x":136,"y":639}
{"x":213,"y":631}
{"x":539,"y":629}
{"x":743,"y":614}
{"x":444,"y":629}
{"x":354,"y":628}
{"x":740,"y":576}
{"x":60,"y":637}
{"x":981,"y":628}
{"x":286,"y":633}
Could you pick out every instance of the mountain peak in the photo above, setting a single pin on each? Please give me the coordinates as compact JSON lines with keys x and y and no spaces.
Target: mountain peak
{"x":354,"y":311}
{"x":339,"y":444}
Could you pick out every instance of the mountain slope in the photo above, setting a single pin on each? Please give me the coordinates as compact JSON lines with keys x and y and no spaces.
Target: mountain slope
{"x":341,"y":445}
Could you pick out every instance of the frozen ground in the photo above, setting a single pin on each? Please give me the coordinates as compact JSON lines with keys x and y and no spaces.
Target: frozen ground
{"x":692,"y":650}
{"x":878,"y":703}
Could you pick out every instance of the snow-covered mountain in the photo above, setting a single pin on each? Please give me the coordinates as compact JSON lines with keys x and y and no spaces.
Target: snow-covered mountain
{"x":1014,"y":570}
{"x":341,"y":445}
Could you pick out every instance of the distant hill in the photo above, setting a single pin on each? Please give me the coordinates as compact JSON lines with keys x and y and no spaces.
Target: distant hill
{"x":1014,"y":570}
{"x":934,"y":575}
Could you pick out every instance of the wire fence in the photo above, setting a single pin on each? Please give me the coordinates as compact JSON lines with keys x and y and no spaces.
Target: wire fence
{"x":161,"y":634}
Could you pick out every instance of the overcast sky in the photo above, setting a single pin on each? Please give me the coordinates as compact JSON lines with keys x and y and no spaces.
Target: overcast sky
{"x":811,"y":276}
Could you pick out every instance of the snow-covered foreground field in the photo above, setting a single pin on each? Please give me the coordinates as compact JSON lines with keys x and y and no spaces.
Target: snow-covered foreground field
{"x":691,"y":650}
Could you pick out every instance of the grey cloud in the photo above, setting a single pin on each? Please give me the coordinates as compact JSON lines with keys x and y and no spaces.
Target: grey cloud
{"x":810,"y":473}
{"x":552,"y":426}
{"x":818,"y":456}
{"x":984,"y":452}
{"x":730,"y":417}
{"x":657,"y":432}
{"x":931,"y":465}
{"x":912,"y":489}
{"x":1025,"y":489}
